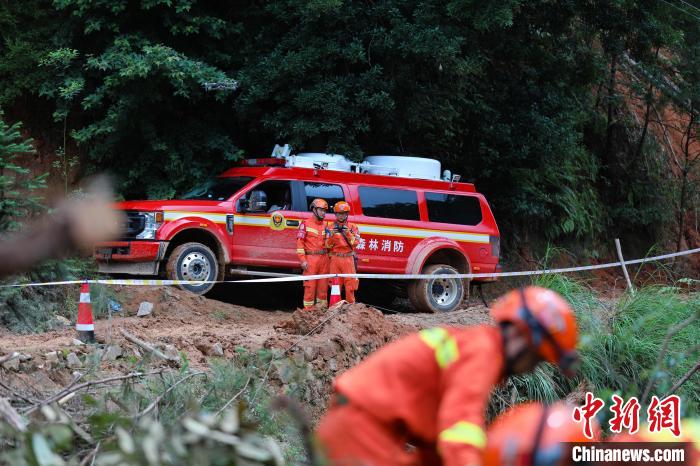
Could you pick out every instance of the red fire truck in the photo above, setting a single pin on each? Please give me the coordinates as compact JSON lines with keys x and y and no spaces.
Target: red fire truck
{"x":412,"y":219}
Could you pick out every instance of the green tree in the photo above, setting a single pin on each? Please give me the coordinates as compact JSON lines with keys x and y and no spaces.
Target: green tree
{"x":18,"y":190}
{"x":534,"y":101}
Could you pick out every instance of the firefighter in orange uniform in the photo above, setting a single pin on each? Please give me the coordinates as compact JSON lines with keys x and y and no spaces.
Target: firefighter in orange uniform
{"x":431,"y":389}
{"x":533,"y":434}
{"x":313,"y":255}
{"x":341,"y":238}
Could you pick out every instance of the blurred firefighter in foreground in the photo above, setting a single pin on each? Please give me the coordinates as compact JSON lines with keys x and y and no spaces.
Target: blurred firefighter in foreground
{"x":690,"y":434}
{"x":76,"y":224}
{"x":431,"y":389}
{"x":313,"y":256}
{"x":341,"y":239}
{"x":533,"y":434}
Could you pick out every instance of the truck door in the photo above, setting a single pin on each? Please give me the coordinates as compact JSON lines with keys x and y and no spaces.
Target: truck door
{"x":390,"y":227}
{"x":265,"y":224}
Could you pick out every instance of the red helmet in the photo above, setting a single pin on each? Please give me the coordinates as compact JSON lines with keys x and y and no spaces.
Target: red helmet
{"x":318,"y":203}
{"x":341,"y":207}
{"x":533,"y":433}
{"x":547,"y":320}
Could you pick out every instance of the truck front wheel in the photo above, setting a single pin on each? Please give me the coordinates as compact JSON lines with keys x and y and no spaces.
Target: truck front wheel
{"x":193,"y":262}
{"x":437,"y":294}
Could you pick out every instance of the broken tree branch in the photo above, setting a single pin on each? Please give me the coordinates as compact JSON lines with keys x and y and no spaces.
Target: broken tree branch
{"x":148,"y":347}
{"x":12,"y":417}
{"x":683,"y":379}
{"x":90,"y":457}
{"x":160,"y":397}
{"x":228,"y":403}
{"x":16,"y":394}
{"x":9,"y":357}
{"x":674,"y":330}
{"x":91,"y":383}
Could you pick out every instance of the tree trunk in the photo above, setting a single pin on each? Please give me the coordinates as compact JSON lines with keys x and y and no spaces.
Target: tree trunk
{"x":611,"y":110}
{"x":684,"y":180}
{"x":645,"y":126}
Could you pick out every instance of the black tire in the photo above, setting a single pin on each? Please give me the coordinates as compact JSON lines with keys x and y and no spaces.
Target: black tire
{"x":438,"y":294}
{"x":193,"y":261}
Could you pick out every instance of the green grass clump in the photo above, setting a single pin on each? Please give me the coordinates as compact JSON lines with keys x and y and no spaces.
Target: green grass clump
{"x":621,"y":342}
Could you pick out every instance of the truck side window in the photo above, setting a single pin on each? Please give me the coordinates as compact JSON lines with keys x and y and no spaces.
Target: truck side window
{"x":332,"y":193}
{"x":452,"y":208}
{"x":389,"y":203}
{"x":276,"y":195}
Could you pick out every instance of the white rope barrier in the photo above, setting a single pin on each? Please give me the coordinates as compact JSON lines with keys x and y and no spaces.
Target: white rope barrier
{"x":277,"y":278}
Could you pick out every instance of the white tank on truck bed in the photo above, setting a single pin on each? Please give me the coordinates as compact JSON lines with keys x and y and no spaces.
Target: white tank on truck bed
{"x":407,"y":167}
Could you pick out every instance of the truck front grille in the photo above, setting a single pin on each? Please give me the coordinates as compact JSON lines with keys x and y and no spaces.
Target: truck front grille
{"x":135,"y":223}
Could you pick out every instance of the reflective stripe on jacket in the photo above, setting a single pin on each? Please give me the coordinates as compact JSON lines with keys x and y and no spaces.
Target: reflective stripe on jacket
{"x":310,"y":237}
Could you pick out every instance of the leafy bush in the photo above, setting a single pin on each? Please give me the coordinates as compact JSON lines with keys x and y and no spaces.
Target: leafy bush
{"x":218,"y":417}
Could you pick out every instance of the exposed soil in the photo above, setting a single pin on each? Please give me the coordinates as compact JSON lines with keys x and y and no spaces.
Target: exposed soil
{"x":325,"y":343}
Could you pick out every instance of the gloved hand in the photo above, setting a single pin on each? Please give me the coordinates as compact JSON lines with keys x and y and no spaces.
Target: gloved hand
{"x":304,"y":265}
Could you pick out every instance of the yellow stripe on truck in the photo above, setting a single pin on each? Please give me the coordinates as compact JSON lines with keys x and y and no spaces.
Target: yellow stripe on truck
{"x":423,"y":233}
{"x":377,"y":230}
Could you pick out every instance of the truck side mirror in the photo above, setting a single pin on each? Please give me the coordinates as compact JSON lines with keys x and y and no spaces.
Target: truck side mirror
{"x":242,"y":204}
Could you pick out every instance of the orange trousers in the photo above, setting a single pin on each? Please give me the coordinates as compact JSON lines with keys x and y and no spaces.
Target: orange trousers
{"x":316,"y":291}
{"x":345,"y":265}
{"x":351,"y":437}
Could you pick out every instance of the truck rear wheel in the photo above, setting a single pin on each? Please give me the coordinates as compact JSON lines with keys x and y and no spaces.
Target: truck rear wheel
{"x":193,"y":261}
{"x":437,"y":294}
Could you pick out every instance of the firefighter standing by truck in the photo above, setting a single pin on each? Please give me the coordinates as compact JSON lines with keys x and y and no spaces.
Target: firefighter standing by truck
{"x":341,"y":238}
{"x":313,"y":256}
{"x":431,"y":389}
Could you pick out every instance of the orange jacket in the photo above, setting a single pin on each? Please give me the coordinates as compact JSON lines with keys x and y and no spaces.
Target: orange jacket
{"x":334,"y":239}
{"x":310,"y":237}
{"x":436,"y":384}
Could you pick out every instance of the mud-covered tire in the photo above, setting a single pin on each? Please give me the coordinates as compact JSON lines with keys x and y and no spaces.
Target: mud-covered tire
{"x":439,"y":294}
{"x":193,"y":261}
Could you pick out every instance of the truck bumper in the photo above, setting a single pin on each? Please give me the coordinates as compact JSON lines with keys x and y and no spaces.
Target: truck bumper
{"x":130,"y":257}
{"x":486,"y":268}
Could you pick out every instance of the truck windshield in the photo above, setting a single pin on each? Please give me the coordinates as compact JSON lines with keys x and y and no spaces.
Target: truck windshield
{"x":217,"y":189}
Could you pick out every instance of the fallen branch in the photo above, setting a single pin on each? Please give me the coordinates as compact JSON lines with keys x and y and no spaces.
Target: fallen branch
{"x":90,"y":457}
{"x":160,"y":397}
{"x":148,"y":347}
{"x":683,"y":379}
{"x":12,"y":417}
{"x":228,"y":403}
{"x":17,"y":395}
{"x":674,"y":330}
{"x":91,"y":383}
{"x":9,"y":357}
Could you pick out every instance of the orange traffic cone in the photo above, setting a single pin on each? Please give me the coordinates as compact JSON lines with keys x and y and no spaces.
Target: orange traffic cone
{"x":84,"y":325}
{"x":335,"y":292}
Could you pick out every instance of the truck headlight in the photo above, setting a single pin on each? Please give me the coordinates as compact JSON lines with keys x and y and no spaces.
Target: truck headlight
{"x":153,"y":221}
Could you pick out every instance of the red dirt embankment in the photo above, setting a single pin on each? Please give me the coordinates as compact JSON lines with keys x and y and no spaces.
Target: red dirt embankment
{"x":323,"y":343}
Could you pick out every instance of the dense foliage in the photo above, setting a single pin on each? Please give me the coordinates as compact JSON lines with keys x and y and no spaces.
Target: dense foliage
{"x":546,"y":105}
